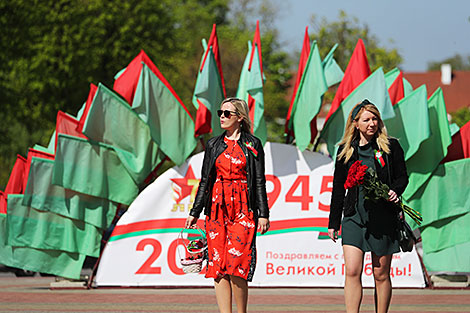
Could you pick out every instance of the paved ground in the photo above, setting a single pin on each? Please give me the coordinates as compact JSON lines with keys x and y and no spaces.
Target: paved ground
{"x":34,"y":295}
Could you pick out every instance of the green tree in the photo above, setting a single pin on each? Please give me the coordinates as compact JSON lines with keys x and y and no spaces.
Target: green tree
{"x":346,"y":31}
{"x":461,"y":116}
{"x":243,"y":15}
{"x":193,"y":21}
{"x":52,"y":50}
{"x":457,"y":62}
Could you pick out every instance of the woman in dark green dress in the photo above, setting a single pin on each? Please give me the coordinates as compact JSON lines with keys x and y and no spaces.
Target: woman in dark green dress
{"x":367,"y":226}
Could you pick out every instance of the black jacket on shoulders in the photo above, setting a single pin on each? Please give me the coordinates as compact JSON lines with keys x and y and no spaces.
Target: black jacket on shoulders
{"x":256,"y":180}
{"x":397,"y":180}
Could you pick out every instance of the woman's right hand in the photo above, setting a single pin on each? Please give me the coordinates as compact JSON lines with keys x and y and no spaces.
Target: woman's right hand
{"x":190,"y":222}
{"x":333,"y":234}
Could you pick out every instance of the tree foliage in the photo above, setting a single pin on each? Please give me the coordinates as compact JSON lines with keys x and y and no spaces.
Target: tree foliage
{"x":346,"y":31}
{"x":243,"y":14}
{"x":52,"y":50}
{"x":457,"y":62}
{"x":461,"y":116}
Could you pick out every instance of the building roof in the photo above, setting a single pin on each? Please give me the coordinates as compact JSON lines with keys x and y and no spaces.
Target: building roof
{"x":456,"y":95}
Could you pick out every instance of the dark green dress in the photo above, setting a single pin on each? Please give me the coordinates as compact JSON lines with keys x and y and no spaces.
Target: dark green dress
{"x":372,"y":227}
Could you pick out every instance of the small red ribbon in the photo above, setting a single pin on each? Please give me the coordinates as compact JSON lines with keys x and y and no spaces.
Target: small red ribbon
{"x":379,"y":158}
{"x":250,"y":147}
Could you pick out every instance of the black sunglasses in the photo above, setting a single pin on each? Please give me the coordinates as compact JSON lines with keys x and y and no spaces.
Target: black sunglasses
{"x":226,"y":113}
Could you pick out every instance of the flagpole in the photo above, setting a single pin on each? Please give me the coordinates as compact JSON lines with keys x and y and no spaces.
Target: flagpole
{"x":317,"y":142}
{"x":202,"y":143}
{"x":287,"y":138}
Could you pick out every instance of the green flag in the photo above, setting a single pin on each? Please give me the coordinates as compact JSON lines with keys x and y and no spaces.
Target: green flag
{"x":309,"y":97}
{"x":210,"y":88}
{"x":208,"y":95}
{"x":171,"y":127}
{"x":445,"y":206}
{"x":432,"y":150}
{"x":411,"y":122}
{"x":454,"y":128}
{"x":250,"y":86}
{"x":55,"y":262}
{"x":43,"y":149}
{"x":374,"y":89}
{"x":446,"y":233}
{"x":444,"y":195}
{"x":51,"y":143}
{"x":27,"y":227}
{"x":112,"y":121}
{"x":453,"y":259}
{"x":93,"y":169}
{"x":333,"y":73}
{"x":390,"y":77}
{"x":40,"y":194}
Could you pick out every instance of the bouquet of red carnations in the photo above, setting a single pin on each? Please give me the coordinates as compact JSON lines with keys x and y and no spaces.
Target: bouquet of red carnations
{"x":374,"y":189}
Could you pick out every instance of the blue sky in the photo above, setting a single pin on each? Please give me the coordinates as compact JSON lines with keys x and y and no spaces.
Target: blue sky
{"x":421,"y":30}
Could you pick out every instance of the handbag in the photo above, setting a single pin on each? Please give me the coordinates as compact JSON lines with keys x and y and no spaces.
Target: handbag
{"x":406,"y":237}
{"x":194,"y":249}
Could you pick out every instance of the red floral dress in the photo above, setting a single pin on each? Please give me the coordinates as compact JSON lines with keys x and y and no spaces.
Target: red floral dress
{"x":231,"y":226}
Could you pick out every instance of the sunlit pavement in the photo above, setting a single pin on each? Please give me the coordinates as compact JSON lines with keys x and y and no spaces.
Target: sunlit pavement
{"x":33,"y":294}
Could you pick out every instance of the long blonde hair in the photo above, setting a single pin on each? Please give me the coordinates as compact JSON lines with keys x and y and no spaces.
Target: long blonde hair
{"x":242,"y":109}
{"x":351,"y":132}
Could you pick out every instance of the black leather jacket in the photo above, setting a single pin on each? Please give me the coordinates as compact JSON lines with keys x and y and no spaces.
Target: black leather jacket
{"x":397,"y":180}
{"x":256,"y":180}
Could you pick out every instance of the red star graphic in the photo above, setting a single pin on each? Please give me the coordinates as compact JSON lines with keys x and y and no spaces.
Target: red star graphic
{"x":185,"y":186}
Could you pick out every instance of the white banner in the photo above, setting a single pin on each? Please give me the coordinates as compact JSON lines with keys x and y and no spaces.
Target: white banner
{"x":142,"y":250}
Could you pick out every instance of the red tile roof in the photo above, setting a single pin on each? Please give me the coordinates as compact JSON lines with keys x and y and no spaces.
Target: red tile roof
{"x":456,"y":95}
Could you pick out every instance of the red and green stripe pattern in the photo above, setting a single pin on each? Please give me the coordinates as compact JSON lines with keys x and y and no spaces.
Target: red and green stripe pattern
{"x":175,"y":225}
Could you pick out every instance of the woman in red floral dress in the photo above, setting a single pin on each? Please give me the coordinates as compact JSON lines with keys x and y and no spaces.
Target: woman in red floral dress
{"x":232,"y":192}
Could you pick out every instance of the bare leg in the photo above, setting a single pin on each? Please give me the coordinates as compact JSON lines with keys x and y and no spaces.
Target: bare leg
{"x":383,"y":284}
{"x":240,"y":292}
{"x":223,"y":293}
{"x":353,"y":260}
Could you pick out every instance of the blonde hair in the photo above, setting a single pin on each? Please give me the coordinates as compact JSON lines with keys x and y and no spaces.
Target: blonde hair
{"x":242,"y":110}
{"x":351,"y":132}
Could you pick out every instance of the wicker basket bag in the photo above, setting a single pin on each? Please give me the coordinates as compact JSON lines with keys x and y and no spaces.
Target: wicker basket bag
{"x":195,"y":243}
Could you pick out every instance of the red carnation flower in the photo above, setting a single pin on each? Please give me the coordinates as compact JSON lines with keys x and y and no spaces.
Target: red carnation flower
{"x":374,"y":189}
{"x":356,"y":174}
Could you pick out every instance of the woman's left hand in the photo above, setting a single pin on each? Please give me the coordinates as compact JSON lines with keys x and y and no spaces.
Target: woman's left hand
{"x":393,"y":197}
{"x":263,"y":225}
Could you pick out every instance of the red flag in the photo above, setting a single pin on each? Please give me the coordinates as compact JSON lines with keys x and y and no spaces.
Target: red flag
{"x":460,"y":146}
{"x":214,"y":43}
{"x":302,"y":62}
{"x":250,"y":86}
{"x":89,"y":100}
{"x":313,"y":129}
{"x":15,"y":182}
{"x":256,"y":42}
{"x":204,"y":116}
{"x":203,"y":120}
{"x":126,"y":83}
{"x":34,"y":153}
{"x":66,"y":124}
{"x":397,"y":90}
{"x":356,"y":72}
{"x":3,"y":203}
